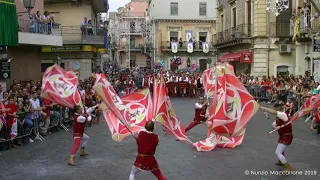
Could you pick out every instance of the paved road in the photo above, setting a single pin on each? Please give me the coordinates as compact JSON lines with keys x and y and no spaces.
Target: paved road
{"x":109,"y":160}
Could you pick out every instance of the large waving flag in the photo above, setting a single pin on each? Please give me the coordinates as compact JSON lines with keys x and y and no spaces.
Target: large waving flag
{"x":165,"y":114}
{"x":136,"y":109}
{"x":61,"y":87}
{"x":110,"y":98}
{"x":230,"y":115}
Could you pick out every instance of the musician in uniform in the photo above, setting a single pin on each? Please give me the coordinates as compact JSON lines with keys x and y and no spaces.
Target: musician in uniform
{"x":147,"y":143}
{"x":200,"y":114}
{"x":284,"y":127}
{"x":183,"y":84}
{"x":146,"y":82}
{"x":174,"y":82}
{"x":199,"y":85}
{"x":192,"y":87}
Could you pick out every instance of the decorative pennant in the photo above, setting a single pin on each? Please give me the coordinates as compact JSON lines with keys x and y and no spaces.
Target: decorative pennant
{"x":190,"y":47}
{"x":174,"y":47}
{"x":205,"y":47}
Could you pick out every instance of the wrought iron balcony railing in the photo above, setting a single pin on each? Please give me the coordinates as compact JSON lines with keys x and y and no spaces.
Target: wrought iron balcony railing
{"x":28,"y":26}
{"x":133,"y":47}
{"x":305,"y":25}
{"x":83,"y":35}
{"x":238,"y":32}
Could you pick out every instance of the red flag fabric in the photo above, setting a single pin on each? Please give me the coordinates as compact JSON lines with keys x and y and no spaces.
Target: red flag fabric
{"x":136,"y":109}
{"x":164,"y":113}
{"x":110,"y":98}
{"x":230,"y":115}
{"x":311,"y":104}
{"x":61,"y":87}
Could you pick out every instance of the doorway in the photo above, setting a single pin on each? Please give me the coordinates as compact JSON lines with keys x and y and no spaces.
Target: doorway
{"x":203,"y":64}
{"x":173,"y":68}
{"x":202,"y":38}
{"x":173,"y":37}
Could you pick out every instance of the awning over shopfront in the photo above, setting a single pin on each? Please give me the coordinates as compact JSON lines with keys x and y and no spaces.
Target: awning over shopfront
{"x":244,"y":57}
{"x":8,"y":23}
{"x":234,"y":57}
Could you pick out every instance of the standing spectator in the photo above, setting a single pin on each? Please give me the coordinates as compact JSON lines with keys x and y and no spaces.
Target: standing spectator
{"x":11,"y":109}
{"x":84,"y":25}
{"x":37,"y":110}
{"x":47,"y":106}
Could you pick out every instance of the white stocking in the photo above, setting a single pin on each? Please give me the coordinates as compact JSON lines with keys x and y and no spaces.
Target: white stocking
{"x":84,"y":140}
{"x":280,"y":149}
{"x":134,"y":171}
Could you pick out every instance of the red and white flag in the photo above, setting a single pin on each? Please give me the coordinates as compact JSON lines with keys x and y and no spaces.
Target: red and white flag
{"x":61,"y":87}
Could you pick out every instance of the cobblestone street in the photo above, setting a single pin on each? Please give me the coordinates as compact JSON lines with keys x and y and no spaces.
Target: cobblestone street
{"x":109,"y":160}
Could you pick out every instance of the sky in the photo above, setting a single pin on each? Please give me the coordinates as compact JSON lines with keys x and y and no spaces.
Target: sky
{"x":115,"y":4}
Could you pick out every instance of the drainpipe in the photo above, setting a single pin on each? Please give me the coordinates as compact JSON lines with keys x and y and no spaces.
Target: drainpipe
{"x":268,"y":42}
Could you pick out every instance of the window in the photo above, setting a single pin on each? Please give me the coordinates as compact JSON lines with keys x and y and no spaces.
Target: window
{"x":44,"y":66}
{"x":132,"y":43}
{"x":133,"y":60}
{"x":221,"y":22}
{"x":132,"y":27}
{"x":203,"y":9}
{"x":234,"y":17}
{"x":174,"y":9}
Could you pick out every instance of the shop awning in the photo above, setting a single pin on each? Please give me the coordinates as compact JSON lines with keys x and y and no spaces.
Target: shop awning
{"x":234,"y":57}
{"x":8,"y":23}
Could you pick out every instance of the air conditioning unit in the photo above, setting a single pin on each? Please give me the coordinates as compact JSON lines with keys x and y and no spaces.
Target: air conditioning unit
{"x":285,"y":48}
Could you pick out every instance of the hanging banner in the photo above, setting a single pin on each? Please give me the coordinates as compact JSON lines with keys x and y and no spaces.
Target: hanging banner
{"x":188,"y":35}
{"x":190,"y":47}
{"x":174,"y":47}
{"x":205,"y":47}
{"x":316,"y":70}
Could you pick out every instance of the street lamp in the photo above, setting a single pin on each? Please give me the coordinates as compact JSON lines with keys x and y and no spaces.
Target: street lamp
{"x":29,"y":4}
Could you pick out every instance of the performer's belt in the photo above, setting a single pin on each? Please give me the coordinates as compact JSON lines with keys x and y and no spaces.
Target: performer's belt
{"x":287,"y":134}
{"x":78,"y":134}
{"x":144,"y":155}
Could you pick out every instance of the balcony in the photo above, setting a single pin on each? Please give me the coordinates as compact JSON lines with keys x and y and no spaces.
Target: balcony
{"x":307,"y":28}
{"x":97,"y":5}
{"x":240,"y":34}
{"x":83,"y":35}
{"x":281,"y":29}
{"x":34,"y":33}
{"x":135,"y":48}
{"x":182,"y":47}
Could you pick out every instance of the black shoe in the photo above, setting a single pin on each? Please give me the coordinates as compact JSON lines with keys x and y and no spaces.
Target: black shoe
{"x":318,"y":132}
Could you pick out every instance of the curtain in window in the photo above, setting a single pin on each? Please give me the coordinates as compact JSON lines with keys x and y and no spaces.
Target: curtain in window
{"x":8,"y":23}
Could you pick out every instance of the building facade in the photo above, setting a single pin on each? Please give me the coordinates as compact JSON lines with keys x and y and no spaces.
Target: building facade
{"x":83,"y":41}
{"x":129,"y":32}
{"x":184,"y":28}
{"x":25,"y":61}
{"x":246,"y":30}
{"x":249,"y":37}
{"x":307,"y":57}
